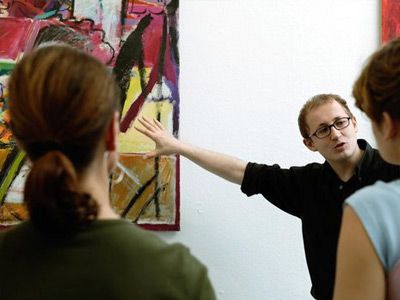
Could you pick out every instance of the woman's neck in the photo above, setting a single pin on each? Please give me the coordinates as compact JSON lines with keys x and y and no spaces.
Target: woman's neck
{"x":95,"y":181}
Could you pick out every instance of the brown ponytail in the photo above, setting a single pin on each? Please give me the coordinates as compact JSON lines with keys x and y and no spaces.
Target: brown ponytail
{"x":54,"y":202}
{"x":61,"y":101}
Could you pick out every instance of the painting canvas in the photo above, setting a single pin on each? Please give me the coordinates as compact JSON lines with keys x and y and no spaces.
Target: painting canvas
{"x":138,"y":41}
{"x":390,"y":20}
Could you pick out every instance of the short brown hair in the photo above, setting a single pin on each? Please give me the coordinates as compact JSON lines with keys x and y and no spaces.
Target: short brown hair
{"x":377,"y":88}
{"x":314,"y":102}
{"x":61,"y":101}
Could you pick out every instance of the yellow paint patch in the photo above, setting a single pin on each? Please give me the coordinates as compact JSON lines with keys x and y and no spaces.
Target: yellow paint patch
{"x":133,"y":141}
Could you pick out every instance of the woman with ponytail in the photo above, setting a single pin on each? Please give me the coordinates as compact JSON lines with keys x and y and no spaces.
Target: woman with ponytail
{"x":63,"y":106}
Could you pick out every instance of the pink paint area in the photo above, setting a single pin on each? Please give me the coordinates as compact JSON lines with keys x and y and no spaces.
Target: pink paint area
{"x":152,"y":41}
{"x":140,"y":6}
{"x":35,"y":8}
{"x":390,"y":20}
{"x":152,"y":38}
{"x":100,"y":49}
{"x":24,"y":9}
{"x":15,"y":36}
{"x":170,"y":67}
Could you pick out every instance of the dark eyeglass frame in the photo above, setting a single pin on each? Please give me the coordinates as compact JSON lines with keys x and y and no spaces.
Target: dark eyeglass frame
{"x":335,"y":124}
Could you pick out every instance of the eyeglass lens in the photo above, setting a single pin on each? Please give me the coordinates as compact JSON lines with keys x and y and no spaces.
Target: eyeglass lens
{"x":338,"y":124}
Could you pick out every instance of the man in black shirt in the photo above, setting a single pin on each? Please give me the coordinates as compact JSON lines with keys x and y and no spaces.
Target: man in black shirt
{"x":315,"y":192}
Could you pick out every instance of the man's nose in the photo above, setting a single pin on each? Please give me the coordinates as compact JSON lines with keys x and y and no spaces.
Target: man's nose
{"x":335,"y":133}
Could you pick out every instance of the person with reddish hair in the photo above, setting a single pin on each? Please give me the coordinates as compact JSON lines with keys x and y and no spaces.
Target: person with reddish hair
{"x":368,"y":263}
{"x":64,"y":114}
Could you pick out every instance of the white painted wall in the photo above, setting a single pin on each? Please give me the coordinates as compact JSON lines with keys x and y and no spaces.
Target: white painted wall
{"x":247,"y":68}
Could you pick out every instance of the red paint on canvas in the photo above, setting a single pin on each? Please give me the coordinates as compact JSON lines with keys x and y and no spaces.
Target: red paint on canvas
{"x":390,"y":20}
{"x":13,"y":36}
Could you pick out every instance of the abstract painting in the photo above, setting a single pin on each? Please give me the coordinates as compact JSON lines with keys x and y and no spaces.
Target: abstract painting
{"x":138,"y":41}
{"x":390,"y":20}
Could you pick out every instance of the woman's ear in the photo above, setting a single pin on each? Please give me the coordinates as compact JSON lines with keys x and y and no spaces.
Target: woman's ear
{"x":111,"y":143}
{"x":112,"y":133}
{"x":389,"y":126}
{"x":355,"y":123}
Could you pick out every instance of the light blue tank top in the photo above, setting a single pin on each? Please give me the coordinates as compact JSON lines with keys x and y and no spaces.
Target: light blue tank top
{"x":378,"y":207}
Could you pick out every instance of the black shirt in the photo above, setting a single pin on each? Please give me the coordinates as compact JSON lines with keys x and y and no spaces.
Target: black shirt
{"x":315,"y":194}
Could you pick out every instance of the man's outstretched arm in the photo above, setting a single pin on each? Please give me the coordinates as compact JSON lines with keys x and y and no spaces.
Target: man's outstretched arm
{"x":225,"y":166}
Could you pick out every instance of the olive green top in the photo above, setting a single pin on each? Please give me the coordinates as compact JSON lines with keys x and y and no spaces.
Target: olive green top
{"x":111,"y":259}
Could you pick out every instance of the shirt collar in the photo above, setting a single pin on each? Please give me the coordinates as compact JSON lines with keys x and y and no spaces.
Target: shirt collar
{"x":362,"y":165}
{"x":366,"y":159}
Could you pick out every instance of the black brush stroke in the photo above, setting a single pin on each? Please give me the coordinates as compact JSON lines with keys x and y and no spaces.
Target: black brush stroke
{"x":138,"y":193}
{"x":171,"y":9}
{"x":158,"y":190}
{"x":72,"y":8}
{"x":156,"y":196}
{"x":131,"y":54}
{"x":15,"y":216}
{"x":123,"y":14}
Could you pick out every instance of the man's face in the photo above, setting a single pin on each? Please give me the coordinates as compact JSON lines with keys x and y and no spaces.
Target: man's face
{"x":340,"y":145}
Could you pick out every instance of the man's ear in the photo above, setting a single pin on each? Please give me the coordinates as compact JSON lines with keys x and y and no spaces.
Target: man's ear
{"x":112,"y":133}
{"x":308,"y":142}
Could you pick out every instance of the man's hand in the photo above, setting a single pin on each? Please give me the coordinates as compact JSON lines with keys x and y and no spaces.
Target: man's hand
{"x":166,"y":144}
{"x":225,"y":166}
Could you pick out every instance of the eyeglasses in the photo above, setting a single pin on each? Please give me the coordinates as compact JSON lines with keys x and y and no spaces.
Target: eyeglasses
{"x":324,"y":131}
